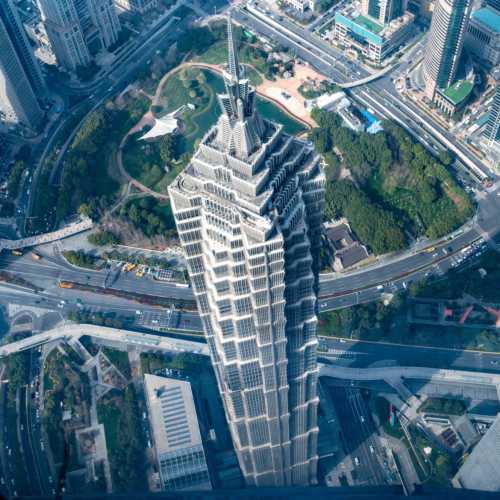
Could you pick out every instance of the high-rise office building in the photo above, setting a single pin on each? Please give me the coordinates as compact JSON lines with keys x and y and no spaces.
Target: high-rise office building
{"x":492,"y":129}
{"x":383,"y":11}
{"x":141,"y":6}
{"x":248,"y":210}
{"x":444,"y":45}
{"x":79,"y":28}
{"x":21,"y":81}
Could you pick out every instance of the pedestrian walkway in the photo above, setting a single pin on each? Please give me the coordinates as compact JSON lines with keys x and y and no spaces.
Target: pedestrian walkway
{"x":32,"y":241}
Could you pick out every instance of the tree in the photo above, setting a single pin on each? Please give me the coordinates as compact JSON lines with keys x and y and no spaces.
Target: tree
{"x":103,"y":238}
{"x":167,"y":148}
{"x":201,"y":78}
{"x":196,"y":40}
{"x":15,"y":177}
{"x":322,"y":140}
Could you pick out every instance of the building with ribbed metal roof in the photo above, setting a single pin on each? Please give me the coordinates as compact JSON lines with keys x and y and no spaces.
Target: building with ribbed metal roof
{"x":176,"y":434}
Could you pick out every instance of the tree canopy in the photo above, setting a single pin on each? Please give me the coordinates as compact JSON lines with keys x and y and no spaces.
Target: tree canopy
{"x":394,"y":177}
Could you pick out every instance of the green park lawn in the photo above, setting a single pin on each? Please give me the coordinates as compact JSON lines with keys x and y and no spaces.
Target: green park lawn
{"x":189,"y":86}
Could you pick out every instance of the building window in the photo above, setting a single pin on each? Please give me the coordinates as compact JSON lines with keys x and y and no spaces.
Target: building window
{"x":248,"y":349}
{"x":245,"y":327}
{"x":229,"y":350}
{"x":255,"y":403}
{"x":251,"y":374}
{"x":259,"y":432}
{"x":224,"y":306}
{"x":226,"y":327}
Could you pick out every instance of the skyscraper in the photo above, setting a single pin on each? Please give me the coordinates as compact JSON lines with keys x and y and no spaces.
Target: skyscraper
{"x":248,"y":210}
{"x":21,"y":82}
{"x":79,"y":28}
{"x":492,"y":129}
{"x":383,"y":11}
{"x":444,"y":45}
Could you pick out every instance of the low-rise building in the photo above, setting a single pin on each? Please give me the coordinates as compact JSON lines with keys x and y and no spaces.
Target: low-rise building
{"x":455,"y":97}
{"x":347,"y":252}
{"x":176,"y":434}
{"x":483,"y":35}
{"x":370,"y":38}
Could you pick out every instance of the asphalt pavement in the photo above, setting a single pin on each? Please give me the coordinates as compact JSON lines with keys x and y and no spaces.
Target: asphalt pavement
{"x":363,"y":354}
{"x":359,"y":436}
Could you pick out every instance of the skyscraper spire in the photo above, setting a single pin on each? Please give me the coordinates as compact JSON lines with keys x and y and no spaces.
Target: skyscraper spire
{"x":248,"y":209}
{"x":233,"y":63}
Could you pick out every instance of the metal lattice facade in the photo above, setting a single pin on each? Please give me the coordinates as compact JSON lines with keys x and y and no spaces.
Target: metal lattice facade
{"x":248,"y":209}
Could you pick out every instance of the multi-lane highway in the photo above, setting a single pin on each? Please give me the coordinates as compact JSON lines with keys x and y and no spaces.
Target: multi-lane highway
{"x":359,"y":436}
{"x":363,"y":354}
{"x":161,"y":36}
{"x":335,"y":65}
{"x":336,"y":291}
{"x":345,"y":352}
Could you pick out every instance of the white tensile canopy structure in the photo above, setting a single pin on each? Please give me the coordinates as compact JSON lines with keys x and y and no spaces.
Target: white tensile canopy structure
{"x":167,"y":124}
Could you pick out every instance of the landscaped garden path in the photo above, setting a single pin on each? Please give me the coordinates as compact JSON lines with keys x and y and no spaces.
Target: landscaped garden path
{"x":268,"y":90}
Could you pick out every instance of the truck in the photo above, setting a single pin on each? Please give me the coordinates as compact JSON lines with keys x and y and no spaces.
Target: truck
{"x":17,"y":253}
{"x":65,"y":284}
{"x":129,"y":267}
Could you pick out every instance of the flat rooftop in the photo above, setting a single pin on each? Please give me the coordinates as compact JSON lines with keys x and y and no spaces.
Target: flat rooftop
{"x":457,"y":92}
{"x":489,"y":17}
{"x":369,"y":24}
{"x":172,"y":400}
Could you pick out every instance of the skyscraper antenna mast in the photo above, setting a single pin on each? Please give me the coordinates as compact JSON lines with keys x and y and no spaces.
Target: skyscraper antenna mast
{"x":233,"y":63}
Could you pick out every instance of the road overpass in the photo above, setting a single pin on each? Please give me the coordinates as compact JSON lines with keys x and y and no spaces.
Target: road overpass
{"x":327,"y":60}
{"x":367,"y":79}
{"x":41,"y":239}
{"x":75,"y":331}
{"x":409,"y":372}
{"x":395,"y":376}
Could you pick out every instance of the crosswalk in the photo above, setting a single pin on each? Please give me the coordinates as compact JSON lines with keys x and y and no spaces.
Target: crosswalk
{"x":341,"y":354}
{"x":157,"y":320}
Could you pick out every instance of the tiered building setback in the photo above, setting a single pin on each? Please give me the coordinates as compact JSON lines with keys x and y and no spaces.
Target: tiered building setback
{"x":249,"y":208}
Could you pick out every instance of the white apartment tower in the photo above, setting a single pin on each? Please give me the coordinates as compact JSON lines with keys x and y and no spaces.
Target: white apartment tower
{"x":21,"y":81}
{"x":79,"y":28}
{"x":248,"y":210}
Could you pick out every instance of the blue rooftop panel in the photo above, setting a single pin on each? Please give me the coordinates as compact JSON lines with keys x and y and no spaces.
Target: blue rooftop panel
{"x":489,"y":17}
